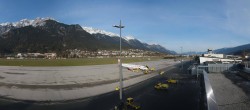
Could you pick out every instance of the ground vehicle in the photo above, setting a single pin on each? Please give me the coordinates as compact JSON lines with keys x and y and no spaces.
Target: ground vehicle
{"x":161,"y":72}
{"x":152,"y":69}
{"x":161,"y":86}
{"x":130,"y":104}
{"x":172,"y":81}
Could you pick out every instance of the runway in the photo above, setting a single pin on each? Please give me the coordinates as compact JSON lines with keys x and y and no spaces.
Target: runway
{"x":45,"y":84}
{"x":184,"y":95}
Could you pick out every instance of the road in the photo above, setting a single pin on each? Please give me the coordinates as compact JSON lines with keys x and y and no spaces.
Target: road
{"x":184,"y":95}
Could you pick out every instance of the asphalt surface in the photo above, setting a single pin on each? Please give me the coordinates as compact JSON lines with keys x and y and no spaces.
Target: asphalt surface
{"x":184,"y":95}
{"x":69,"y":82}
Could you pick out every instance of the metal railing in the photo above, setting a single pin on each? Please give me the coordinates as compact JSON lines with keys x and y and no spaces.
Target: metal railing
{"x":215,"y":68}
{"x":247,"y":64}
{"x":201,"y":71}
{"x":207,"y":92}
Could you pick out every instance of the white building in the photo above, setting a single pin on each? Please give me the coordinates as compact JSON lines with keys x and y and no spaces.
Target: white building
{"x":50,"y":55}
{"x":207,"y":59}
{"x":213,"y":55}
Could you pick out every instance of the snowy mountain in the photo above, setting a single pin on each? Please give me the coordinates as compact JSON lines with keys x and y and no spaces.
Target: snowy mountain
{"x":26,"y":22}
{"x":5,"y":27}
{"x":128,"y":38}
{"x":47,"y":34}
{"x":128,"y":41}
{"x":105,"y":33}
{"x":98,"y":31}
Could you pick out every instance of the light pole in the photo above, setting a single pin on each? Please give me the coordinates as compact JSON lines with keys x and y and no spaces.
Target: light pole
{"x":119,"y":60}
{"x":181,"y":60}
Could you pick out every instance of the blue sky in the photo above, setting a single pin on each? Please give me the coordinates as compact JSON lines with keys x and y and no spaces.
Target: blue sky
{"x":194,"y":25}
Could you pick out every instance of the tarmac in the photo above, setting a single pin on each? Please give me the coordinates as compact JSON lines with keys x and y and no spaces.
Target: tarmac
{"x":44,"y":84}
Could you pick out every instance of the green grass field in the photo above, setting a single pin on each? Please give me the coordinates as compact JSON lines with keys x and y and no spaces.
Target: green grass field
{"x":69,"y":62}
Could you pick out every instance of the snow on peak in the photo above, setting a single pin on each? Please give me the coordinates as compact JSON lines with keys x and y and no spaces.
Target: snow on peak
{"x":128,"y":38}
{"x":5,"y":24}
{"x":152,"y":43}
{"x":98,"y":31}
{"x":26,"y":22}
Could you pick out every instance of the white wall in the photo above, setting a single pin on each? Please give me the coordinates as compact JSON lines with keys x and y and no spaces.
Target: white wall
{"x":205,"y":59}
{"x":214,"y":55}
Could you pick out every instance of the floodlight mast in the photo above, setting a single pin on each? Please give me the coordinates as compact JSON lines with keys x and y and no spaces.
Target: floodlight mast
{"x":181,"y":59}
{"x":120,"y":61}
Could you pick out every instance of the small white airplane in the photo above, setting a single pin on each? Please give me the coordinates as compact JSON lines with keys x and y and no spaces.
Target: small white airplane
{"x":137,"y":68}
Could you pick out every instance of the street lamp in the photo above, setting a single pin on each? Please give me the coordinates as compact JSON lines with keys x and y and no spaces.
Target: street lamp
{"x":119,"y":60}
{"x":181,"y":60}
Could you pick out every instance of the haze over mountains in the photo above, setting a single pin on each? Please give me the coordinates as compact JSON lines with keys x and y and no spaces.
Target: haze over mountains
{"x":238,"y":50}
{"x":49,"y":35}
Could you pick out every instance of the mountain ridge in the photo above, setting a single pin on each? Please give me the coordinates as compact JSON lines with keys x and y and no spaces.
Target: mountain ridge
{"x":127,"y":40}
{"x":47,"y":34}
{"x":237,"y":50}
